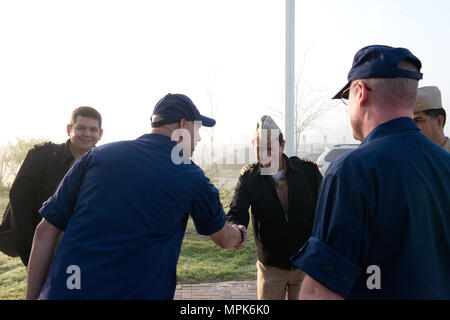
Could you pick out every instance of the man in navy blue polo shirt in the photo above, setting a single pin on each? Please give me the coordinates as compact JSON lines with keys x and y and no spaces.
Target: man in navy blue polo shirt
{"x":382,"y":226}
{"x":123,"y":208}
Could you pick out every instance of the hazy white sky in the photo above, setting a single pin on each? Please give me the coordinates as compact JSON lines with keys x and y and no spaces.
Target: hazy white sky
{"x":122,"y":56}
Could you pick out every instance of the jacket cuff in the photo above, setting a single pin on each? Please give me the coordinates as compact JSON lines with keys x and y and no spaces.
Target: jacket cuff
{"x":327,"y":266}
{"x":207,"y":228}
{"x":56,"y":216}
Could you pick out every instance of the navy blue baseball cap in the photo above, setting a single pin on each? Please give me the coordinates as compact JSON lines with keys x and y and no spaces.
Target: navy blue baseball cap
{"x":175,"y":107}
{"x":381,"y":62}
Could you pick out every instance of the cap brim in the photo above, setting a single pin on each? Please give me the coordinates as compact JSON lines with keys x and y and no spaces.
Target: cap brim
{"x":339,"y":94}
{"x":207,"y":122}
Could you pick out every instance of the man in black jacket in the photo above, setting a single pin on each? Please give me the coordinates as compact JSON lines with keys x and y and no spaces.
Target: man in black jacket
{"x":282,"y":193}
{"x":41,"y":172}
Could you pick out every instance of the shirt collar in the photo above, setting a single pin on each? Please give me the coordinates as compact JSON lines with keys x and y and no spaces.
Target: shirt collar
{"x":163,"y":142}
{"x":389,"y":128}
{"x":157,"y":137}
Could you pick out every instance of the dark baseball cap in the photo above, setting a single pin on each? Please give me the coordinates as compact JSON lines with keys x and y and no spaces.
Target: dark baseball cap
{"x":381,"y":62}
{"x":175,"y":107}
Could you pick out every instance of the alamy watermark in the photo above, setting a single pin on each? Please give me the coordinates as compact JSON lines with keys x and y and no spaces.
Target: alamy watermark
{"x":374,"y":280}
{"x":74,"y":280}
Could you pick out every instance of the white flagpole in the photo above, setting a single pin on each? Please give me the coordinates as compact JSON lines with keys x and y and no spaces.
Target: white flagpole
{"x":290,"y":77}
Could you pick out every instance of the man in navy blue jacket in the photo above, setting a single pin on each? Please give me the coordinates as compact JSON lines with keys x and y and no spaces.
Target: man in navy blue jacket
{"x":382,"y":223}
{"x":124,"y":208}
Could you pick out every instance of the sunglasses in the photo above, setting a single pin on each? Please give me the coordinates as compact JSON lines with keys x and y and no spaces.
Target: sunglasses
{"x":346,"y":93}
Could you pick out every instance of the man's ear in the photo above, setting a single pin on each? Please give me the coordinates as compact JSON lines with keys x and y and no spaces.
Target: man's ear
{"x":282,"y":145}
{"x":182,"y":124}
{"x":440,"y":121}
{"x":69,"y":128}
{"x":362,"y":93}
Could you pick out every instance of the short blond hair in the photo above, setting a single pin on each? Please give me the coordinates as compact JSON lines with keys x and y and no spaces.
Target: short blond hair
{"x":397,"y":90}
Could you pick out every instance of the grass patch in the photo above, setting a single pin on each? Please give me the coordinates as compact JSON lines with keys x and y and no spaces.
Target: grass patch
{"x":230,"y":172}
{"x":13,"y":277}
{"x":13,"y":274}
{"x":201,"y":260}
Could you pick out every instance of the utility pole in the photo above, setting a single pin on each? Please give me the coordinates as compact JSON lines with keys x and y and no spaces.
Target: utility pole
{"x":290,"y":77}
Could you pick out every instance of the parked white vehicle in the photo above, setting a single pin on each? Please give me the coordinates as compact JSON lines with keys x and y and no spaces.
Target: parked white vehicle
{"x":332,"y":153}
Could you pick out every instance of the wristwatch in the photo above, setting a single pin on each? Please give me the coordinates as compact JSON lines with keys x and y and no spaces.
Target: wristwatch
{"x":242,"y":236}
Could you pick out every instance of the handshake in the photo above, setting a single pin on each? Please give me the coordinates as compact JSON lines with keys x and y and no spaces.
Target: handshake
{"x":230,"y":236}
{"x":243,"y":232}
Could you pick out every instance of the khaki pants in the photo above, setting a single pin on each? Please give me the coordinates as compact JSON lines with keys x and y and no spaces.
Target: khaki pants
{"x":273,"y":283}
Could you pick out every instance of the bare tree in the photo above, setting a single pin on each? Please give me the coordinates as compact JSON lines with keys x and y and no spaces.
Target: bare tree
{"x":12,"y":156}
{"x":209,"y":92}
{"x":310,"y":105}
{"x":3,"y":167}
{"x":211,"y":135}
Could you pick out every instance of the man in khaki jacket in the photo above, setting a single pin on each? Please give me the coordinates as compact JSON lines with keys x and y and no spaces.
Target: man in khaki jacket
{"x":430,"y":117}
